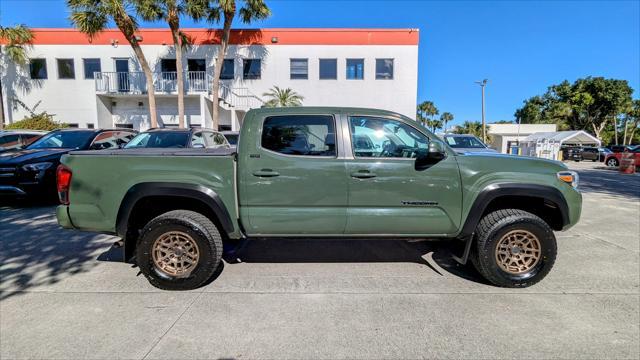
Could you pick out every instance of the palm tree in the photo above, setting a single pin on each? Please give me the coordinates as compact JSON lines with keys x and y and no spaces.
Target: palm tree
{"x":92,"y":16}
{"x":227,"y":9}
{"x":282,"y":97}
{"x":170,"y":12}
{"x":434,"y":124}
{"x":17,"y":40}
{"x":445,"y":118}
{"x":472,"y":128}
{"x":427,"y":109}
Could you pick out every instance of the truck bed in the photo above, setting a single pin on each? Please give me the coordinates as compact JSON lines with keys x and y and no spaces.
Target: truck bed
{"x":159,"y":152}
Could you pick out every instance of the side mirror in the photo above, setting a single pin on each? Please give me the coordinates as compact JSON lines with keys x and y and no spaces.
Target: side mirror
{"x":428,"y":157}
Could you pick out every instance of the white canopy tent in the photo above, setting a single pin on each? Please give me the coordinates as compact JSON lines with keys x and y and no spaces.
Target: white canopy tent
{"x":548,"y":144}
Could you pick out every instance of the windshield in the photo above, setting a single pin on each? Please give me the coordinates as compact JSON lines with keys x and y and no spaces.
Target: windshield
{"x":63,"y":140}
{"x":464,"y":142}
{"x":159,"y":139}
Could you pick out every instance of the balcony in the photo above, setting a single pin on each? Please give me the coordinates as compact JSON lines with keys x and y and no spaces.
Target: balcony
{"x":195,"y":82}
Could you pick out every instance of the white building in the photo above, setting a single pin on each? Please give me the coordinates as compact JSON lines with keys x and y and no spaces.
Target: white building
{"x":99,"y":83}
{"x":506,"y":137}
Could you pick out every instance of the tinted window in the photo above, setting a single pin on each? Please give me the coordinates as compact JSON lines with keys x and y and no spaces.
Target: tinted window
{"x":299,"y":69}
{"x":110,"y":140}
{"x":228,"y":69}
{"x":232,"y":138}
{"x":464,"y":142}
{"x":159,"y":139}
{"x":29,"y":138}
{"x":328,"y":69}
{"x":91,"y":66}
{"x":10,"y":141}
{"x":66,"y":69}
{"x":312,"y":135}
{"x":197,"y":65}
{"x":355,"y":69}
{"x":38,"y":68}
{"x":384,"y":69}
{"x":251,"y":69}
{"x":63,"y":139}
{"x":377,"y":137}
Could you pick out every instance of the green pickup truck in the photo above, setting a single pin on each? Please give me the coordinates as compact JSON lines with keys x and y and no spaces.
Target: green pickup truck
{"x":320,"y":172}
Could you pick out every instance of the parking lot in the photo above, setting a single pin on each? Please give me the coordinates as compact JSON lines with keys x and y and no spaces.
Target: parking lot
{"x":66,"y":294}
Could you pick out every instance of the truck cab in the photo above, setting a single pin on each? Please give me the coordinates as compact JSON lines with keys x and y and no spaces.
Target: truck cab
{"x":314,"y":172}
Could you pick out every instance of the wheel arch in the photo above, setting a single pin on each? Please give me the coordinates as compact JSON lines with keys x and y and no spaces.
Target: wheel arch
{"x":544,"y":201}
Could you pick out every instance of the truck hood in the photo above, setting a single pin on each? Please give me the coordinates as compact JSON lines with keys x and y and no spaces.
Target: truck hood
{"x":19,"y":157}
{"x":498,"y":162}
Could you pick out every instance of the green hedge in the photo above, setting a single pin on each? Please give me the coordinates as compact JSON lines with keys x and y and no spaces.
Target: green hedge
{"x":42,"y":121}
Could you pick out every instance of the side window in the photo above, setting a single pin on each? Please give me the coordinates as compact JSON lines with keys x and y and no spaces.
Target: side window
{"x":220,"y":139}
{"x":197,"y":139}
{"x":379,"y":137}
{"x":27,"y":139}
{"x":311,"y":135}
{"x":111,"y":140}
{"x":10,"y":141}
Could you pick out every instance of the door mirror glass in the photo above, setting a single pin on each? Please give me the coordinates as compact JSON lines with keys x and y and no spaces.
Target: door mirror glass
{"x":430,"y":156}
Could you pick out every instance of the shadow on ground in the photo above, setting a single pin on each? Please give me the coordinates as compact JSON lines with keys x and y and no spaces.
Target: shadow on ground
{"x":609,"y":181}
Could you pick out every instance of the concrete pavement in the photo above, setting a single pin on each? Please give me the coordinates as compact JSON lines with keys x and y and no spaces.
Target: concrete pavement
{"x":64,"y":294}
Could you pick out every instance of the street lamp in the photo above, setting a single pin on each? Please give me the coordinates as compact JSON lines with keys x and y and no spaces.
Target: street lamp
{"x":482,"y":84}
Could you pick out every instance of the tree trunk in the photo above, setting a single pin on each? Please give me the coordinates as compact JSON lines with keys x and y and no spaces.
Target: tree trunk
{"x":1,"y":107}
{"x":151,"y":94}
{"x":177,"y":43}
{"x":215,"y":89}
{"x":615,"y":129}
{"x":624,"y":135}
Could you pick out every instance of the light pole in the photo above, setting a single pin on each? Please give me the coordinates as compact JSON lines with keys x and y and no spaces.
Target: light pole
{"x":482,"y":84}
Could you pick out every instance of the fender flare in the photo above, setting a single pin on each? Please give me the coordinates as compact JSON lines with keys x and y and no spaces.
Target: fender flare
{"x":192,"y":191}
{"x":495,"y":191}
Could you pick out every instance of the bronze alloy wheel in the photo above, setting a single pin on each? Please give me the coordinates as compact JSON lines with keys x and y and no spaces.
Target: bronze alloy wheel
{"x":175,"y":254}
{"x":518,"y":252}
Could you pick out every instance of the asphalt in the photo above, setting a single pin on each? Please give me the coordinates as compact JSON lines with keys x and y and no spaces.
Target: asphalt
{"x":66,"y":294}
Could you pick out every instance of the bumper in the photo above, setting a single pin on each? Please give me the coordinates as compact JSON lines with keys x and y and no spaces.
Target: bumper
{"x":62,"y":214}
{"x":574,"y":203}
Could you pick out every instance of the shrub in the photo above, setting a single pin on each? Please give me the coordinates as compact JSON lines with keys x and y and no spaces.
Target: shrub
{"x":41,"y":121}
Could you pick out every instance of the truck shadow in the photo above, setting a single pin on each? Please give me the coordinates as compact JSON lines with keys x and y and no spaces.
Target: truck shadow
{"x":434,"y":255}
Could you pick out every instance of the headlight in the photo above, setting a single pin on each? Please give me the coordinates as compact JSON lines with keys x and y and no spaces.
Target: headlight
{"x":570,"y":177}
{"x":37,"y":166}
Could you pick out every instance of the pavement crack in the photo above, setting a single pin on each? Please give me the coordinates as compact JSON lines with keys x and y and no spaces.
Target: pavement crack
{"x":173,"y":324}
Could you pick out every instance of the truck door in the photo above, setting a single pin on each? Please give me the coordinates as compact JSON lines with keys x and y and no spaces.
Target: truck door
{"x":387,"y":195}
{"x":292,"y":181}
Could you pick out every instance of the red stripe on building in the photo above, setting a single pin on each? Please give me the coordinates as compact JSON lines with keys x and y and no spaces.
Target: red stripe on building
{"x":238,"y":37}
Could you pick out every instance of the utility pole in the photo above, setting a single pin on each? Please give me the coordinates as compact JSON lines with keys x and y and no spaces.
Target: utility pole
{"x":482,"y":84}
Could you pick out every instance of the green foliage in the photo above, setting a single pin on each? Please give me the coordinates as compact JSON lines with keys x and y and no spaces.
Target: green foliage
{"x":588,"y":104}
{"x":17,"y":39}
{"x":445,"y":118}
{"x":473,"y":128}
{"x":282,"y":97}
{"x":426,"y":110}
{"x":35,"y":121}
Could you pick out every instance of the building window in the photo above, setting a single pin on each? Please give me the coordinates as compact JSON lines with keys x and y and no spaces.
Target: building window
{"x":124,"y":126}
{"x":228,"y":69}
{"x":384,"y":69}
{"x":310,"y":135}
{"x":299,"y":68}
{"x":66,"y":69}
{"x":73,"y":125}
{"x":328,"y":69}
{"x":168,"y":65}
{"x":38,"y":68}
{"x":355,"y":69}
{"x":196,"y":65}
{"x":91,"y":66}
{"x":90,"y":126}
{"x":251,"y":69}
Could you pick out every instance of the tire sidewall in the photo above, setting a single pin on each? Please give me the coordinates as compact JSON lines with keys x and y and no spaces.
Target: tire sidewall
{"x":207,"y":254}
{"x":548,"y":255}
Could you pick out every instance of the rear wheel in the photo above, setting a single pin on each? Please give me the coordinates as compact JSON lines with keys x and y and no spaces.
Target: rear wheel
{"x":179,"y":250}
{"x":612,"y":162}
{"x":514,"y":248}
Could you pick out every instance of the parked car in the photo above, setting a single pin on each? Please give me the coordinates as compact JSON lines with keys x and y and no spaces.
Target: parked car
{"x":18,"y":139}
{"x":613,"y":159}
{"x":603,"y":152}
{"x":31,"y":171}
{"x":295,"y":173}
{"x":462,"y":143}
{"x":178,"y":138}
{"x":232,"y":137}
{"x":590,"y":153}
{"x":571,"y":153}
{"x":619,"y":148}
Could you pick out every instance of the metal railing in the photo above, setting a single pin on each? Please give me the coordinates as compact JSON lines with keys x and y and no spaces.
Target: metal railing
{"x":167,"y":82}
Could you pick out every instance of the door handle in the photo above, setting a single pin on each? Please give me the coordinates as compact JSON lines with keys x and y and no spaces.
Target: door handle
{"x":363,"y":174}
{"x":265,"y":173}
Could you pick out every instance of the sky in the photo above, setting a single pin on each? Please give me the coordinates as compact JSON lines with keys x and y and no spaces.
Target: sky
{"x":522,"y":47}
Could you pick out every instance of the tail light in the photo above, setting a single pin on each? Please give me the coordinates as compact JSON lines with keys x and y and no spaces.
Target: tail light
{"x":63,"y":178}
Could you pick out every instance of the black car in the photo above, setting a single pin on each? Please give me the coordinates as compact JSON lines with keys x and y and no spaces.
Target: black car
{"x":178,"y":138}
{"x":31,"y":171}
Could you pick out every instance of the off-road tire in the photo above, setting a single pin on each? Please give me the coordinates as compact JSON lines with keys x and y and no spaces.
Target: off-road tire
{"x":492,"y":228}
{"x":202,"y":230}
{"x":612,"y":162}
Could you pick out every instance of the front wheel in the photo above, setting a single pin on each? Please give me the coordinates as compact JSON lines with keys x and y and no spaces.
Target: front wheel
{"x":514,"y":248}
{"x":179,"y":250}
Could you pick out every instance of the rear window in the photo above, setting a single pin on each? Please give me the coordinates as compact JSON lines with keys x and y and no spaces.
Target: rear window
{"x":159,"y":139}
{"x":310,"y":135}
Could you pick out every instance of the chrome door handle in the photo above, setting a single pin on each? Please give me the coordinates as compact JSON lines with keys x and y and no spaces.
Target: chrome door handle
{"x":265,"y":173}
{"x":363,"y":174}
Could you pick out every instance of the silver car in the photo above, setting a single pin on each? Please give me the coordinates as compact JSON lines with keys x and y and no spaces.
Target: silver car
{"x":465,"y":143}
